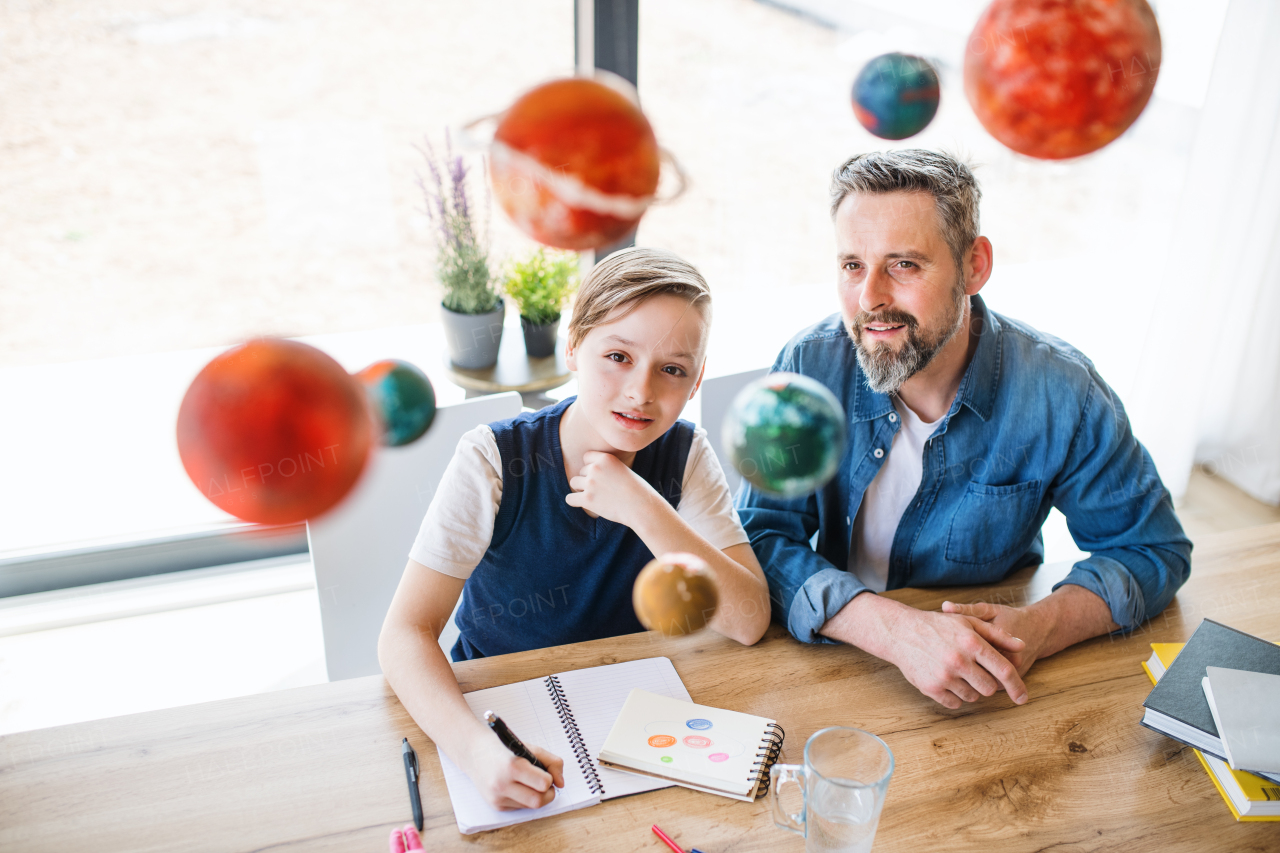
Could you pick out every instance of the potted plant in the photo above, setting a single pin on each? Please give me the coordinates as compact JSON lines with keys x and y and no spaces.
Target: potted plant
{"x":471,"y":308}
{"x":540,"y":285}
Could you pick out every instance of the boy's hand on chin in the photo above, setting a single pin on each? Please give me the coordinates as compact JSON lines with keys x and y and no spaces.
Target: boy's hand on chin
{"x":608,"y":488}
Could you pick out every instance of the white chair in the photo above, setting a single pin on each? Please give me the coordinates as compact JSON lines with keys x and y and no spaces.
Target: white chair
{"x":717,"y":395}
{"x":359,"y":550}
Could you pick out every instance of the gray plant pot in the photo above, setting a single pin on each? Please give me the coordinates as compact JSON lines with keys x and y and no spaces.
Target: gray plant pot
{"x":473,"y":339}
{"x":540,"y":339}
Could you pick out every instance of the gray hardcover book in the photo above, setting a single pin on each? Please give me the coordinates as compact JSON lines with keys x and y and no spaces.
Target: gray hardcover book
{"x":1176,"y":706}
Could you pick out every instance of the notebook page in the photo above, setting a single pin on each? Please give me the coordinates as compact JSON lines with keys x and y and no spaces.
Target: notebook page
{"x":704,"y":746}
{"x":527,"y":710}
{"x":597,"y":695}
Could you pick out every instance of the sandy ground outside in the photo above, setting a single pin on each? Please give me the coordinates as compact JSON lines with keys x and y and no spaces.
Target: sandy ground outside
{"x":179,"y":173}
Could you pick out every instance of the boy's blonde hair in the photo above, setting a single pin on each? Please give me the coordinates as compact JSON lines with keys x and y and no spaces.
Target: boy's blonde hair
{"x":629,"y":277}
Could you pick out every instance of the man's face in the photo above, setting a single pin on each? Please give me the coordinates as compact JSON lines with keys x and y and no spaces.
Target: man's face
{"x":901,"y":295}
{"x":635,"y":374}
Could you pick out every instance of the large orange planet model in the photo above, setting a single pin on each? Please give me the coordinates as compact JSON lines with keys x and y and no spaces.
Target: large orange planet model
{"x":575,"y":164}
{"x":274,"y":431}
{"x":1061,"y":78}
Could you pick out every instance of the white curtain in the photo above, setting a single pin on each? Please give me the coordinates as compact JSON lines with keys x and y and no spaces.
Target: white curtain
{"x":1209,"y":381}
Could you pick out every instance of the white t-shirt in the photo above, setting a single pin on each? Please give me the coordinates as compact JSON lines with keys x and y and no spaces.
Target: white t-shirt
{"x":891,"y":490}
{"x":458,"y":526}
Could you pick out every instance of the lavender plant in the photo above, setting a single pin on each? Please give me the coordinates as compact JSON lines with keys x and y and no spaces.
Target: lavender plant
{"x":462,"y":259}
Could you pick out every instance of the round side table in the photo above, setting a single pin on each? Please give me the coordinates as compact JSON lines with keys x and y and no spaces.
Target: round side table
{"x":515,"y":371}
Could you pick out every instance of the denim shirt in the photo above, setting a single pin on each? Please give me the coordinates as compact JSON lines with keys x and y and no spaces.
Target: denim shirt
{"x":1032,"y":427}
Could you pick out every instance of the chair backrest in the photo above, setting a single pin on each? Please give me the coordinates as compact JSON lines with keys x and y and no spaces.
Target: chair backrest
{"x":359,"y":550}
{"x":717,"y":394}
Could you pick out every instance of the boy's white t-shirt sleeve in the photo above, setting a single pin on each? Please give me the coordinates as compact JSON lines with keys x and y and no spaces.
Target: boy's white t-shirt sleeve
{"x":705,"y":501}
{"x":458,"y":526}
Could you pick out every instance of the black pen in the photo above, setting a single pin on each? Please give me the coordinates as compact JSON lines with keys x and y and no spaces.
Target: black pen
{"x":411,"y":773}
{"x":510,"y":741}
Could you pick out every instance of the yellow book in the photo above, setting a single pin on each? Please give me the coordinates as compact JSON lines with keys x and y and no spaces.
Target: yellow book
{"x":1249,"y":797}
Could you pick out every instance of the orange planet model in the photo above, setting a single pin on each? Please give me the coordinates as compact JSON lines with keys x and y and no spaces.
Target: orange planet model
{"x":1060,"y":78}
{"x":274,"y":431}
{"x":575,"y":163}
{"x":675,"y":594}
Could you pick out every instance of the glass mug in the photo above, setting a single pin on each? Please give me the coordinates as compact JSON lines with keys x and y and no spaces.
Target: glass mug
{"x":843,"y":781}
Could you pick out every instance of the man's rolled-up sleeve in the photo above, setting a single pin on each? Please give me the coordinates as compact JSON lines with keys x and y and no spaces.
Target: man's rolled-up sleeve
{"x":806,"y":589}
{"x":1118,"y":510}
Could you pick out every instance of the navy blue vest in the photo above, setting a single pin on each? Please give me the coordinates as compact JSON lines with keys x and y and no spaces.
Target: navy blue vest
{"x":553,"y":574}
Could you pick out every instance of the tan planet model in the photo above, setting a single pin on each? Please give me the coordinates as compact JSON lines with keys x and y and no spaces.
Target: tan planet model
{"x":675,"y":594}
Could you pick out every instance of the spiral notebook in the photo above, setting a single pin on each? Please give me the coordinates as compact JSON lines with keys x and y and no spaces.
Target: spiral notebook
{"x":569,"y":714}
{"x":708,"y":749}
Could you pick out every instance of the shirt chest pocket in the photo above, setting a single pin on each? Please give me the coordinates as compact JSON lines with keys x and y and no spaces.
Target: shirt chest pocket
{"x":993,"y":523}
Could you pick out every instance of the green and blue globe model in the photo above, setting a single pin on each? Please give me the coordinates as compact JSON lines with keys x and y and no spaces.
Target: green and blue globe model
{"x":402,"y":397}
{"x":896,"y":95}
{"x":785,"y":434}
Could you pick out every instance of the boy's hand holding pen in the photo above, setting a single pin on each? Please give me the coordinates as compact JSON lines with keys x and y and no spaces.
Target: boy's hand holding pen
{"x":508,"y":781}
{"x":510,"y":741}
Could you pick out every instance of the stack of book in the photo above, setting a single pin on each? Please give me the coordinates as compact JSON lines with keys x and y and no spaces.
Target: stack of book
{"x":1220,"y":693}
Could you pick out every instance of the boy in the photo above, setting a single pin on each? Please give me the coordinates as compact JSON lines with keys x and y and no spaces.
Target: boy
{"x":542,"y":522}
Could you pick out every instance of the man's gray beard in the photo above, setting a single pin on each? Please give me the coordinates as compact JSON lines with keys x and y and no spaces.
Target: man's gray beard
{"x":886,"y":370}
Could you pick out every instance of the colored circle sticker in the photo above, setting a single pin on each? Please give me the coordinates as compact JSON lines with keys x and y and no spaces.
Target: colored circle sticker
{"x":718,"y":757}
{"x":662,"y":741}
{"x":668,"y":759}
{"x":697,"y":742}
{"x":698,"y":724}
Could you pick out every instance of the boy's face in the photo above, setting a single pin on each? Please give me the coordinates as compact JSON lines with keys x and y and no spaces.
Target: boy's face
{"x":635,"y":374}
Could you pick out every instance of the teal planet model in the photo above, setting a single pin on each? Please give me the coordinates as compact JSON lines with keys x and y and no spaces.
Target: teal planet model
{"x":401,"y":396}
{"x":896,"y":95}
{"x":785,"y":434}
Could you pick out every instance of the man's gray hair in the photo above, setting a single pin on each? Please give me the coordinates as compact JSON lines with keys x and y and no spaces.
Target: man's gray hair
{"x":949,"y":180}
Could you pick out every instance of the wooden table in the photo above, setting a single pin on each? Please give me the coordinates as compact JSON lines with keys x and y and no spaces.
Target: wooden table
{"x":318,"y":768}
{"x":514,"y":371}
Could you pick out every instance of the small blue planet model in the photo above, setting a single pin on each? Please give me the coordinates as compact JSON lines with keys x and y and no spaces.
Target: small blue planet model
{"x":785,"y":434}
{"x":402,"y":397}
{"x":896,"y":95}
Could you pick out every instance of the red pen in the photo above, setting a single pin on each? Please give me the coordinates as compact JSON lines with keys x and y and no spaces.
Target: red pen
{"x":666,"y":839}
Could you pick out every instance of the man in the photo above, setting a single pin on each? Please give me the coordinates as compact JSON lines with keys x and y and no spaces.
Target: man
{"x":965,"y":428}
